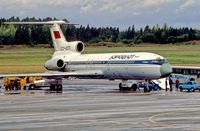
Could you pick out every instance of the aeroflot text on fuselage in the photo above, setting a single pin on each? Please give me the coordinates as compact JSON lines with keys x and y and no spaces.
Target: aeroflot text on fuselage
{"x":123,"y":57}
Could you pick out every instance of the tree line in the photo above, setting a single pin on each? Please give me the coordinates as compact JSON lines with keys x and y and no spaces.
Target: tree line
{"x":37,"y":34}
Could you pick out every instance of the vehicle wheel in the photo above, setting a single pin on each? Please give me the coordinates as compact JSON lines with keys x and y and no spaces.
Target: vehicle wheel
{"x":16,"y":88}
{"x":181,"y":89}
{"x":56,"y":87}
{"x":59,"y":87}
{"x":120,"y":87}
{"x":134,"y":87}
{"x":52,"y":87}
{"x":12,"y":88}
{"x":150,"y":89}
{"x":24,"y":88}
{"x":31,"y":87}
{"x":7,"y":88}
{"x":192,"y":89}
{"x":188,"y":90}
{"x":145,"y":89}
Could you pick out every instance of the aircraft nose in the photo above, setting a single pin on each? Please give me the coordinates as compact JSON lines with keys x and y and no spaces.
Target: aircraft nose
{"x":165,"y":70}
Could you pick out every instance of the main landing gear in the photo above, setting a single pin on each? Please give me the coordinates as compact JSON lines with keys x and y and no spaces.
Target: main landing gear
{"x":56,"y":85}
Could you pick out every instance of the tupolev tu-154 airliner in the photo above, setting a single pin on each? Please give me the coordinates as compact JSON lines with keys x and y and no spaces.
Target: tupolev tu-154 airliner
{"x":68,"y":60}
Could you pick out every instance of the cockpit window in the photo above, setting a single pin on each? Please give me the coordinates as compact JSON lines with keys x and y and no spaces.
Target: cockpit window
{"x":159,"y":61}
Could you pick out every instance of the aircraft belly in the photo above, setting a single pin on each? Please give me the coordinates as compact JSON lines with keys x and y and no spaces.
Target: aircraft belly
{"x":133,"y":72}
{"x":122,"y":71}
{"x":87,"y":67}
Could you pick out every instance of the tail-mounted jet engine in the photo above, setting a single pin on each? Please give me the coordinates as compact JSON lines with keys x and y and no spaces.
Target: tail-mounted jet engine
{"x":77,"y":46}
{"x":55,"y":65}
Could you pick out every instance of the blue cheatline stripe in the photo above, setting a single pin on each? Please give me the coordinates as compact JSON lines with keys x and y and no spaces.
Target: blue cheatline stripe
{"x":117,"y":62}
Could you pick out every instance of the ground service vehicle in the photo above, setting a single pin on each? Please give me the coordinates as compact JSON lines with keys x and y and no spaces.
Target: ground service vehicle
{"x":149,"y":86}
{"x":53,"y":84}
{"x":189,"y":86}
{"x":11,"y":83}
{"x":31,"y":83}
{"x":128,"y":85}
{"x":134,"y":85}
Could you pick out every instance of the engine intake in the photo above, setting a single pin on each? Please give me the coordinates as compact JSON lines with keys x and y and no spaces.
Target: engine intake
{"x":60,"y":63}
{"x":55,"y":65}
{"x":80,"y":47}
{"x":77,"y":46}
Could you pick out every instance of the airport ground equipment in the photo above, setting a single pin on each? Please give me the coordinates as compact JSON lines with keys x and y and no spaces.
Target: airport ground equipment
{"x":11,"y":83}
{"x":53,"y":84}
{"x":147,"y":87}
{"x":161,"y":83}
{"x":137,"y":85}
{"x":128,"y":85}
{"x":31,"y":83}
{"x":189,"y":86}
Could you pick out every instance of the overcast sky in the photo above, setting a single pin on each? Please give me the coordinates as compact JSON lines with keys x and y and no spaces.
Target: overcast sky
{"x":120,"y":13}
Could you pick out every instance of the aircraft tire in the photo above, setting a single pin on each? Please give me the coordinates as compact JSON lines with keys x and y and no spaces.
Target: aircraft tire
{"x":59,"y":88}
{"x":120,"y":87}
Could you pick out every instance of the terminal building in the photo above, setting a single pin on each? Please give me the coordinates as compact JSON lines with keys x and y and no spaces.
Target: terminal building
{"x":186,"y":70}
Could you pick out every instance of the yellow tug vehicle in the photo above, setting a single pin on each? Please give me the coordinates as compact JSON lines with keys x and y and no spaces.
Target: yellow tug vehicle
{"x":16,"y":83}
{"x":31,"y":83}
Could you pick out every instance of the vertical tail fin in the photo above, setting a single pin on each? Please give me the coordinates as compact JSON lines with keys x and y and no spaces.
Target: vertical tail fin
{"x":58,"y":38}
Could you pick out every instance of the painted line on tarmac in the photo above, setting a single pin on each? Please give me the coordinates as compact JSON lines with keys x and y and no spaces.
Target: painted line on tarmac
{"x":153,"y":120}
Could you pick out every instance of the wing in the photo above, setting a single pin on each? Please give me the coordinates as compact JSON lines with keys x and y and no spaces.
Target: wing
{"x":88,"y":74}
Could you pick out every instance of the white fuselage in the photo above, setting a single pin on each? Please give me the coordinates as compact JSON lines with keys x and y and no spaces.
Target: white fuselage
{"x":114,"y":65}
{"x":68,"y":57}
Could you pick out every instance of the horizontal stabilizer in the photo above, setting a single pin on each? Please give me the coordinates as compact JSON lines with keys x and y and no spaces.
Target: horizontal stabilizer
{"x":40,"y":23}
{"x":57,"y":35}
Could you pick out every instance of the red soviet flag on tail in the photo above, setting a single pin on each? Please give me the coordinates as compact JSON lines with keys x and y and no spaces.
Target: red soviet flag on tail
{"x":57,"y":34}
